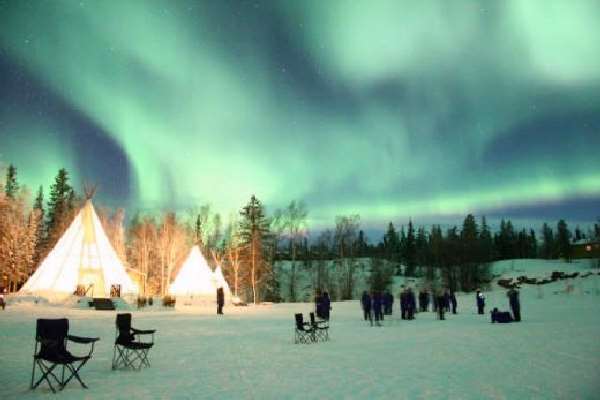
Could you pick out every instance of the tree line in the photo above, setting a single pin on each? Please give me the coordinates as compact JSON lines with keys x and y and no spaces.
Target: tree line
{"x":252,"y":244}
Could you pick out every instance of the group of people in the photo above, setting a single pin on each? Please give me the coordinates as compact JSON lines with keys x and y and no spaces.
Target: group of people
{"x":376,"y":305}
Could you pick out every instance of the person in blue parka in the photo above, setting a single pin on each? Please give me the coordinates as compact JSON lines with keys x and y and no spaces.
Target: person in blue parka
{"x":411,"y":303}
{"x":325,"y":306}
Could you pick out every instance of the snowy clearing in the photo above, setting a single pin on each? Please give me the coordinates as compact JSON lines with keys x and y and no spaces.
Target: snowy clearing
{"x":249,"y":353}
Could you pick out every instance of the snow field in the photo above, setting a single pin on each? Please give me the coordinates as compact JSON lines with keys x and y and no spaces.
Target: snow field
{"x":249,"y":353}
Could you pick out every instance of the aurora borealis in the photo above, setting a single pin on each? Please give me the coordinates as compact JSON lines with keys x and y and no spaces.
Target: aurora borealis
{"x":388,"y":109}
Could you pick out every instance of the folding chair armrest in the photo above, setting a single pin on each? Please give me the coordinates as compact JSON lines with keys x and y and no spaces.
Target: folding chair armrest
{"x":143,"y":331}
{"x":82,"y":340}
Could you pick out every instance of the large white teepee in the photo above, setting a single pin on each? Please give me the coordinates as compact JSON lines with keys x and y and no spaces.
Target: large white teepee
{"x":195,"y":277}
{"x":82,"y":256}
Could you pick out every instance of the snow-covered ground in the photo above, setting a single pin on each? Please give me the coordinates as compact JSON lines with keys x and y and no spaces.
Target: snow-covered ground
{"x":249,"y":353}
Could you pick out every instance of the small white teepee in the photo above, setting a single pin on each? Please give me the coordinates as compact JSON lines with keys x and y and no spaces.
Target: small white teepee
{"x":195,"y":277}
{"x":82,"y":256}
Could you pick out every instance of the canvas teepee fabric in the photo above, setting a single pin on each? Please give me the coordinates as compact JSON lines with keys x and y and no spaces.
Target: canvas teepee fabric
{"x":82,"y":256}
{"x":195,"y":277}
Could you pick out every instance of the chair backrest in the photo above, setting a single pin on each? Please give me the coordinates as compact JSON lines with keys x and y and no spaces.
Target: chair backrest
{"x":312,"y":318}
{"x":124,"y":328}
{"x":52,"y":333}
{"x":299,"y":321}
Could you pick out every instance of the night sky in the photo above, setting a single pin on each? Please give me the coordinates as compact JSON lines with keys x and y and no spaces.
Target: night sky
{"x":388,"y":109}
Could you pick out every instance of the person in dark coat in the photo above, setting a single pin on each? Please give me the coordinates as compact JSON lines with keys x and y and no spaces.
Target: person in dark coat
{"x":388,"y":302}
{"x":365,"y":301}
{"x":515,"y":303}
{"x":402,"y":297}
{"x":480,"y":301}
{"x":220,"y":300}
{"x":438,"y":299}
{"x":447,"y":300}
{"x":453,"y":301}
{"x":325,"y":306}
{"x":411,"y":303}
{"x":378,"y":307}
{"x":423,"y":300}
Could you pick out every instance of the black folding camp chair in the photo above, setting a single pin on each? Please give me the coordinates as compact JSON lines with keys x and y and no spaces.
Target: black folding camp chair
{"x":304,"y":331}
{"x":129,"y":352}
{"x":320,"y":327}
{"x":51,"y":335}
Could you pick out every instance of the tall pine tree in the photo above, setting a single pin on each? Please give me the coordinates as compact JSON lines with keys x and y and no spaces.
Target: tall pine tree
{"x":255,"y":238}
{"x":11,"y":186}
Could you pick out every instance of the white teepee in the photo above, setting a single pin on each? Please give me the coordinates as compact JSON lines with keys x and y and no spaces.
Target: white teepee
{"x":82,"y":256}
{"x":195,"y":277}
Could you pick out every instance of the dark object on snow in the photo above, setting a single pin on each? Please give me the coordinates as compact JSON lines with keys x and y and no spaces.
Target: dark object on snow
{"x":220,"y":300}
{"x":403,"y":304}
{"x":2,"y":303}
{"x":129,"y":352}
{"x":323,"y":306}
{"x":304,"y":332}
{"x":453,"y":302}
{"x":378,"y":307}
{"x":365,"y":302}
{"x":423,"y":300}
{"x":103,"y":304}
{"x":480,"y":302}
{"x":501,"y":317}
{"x":411,"y":304}
{"x":52,"y":335}
{"x":169,"y":301}
{"x":388,"y":303}
{"x":439,"y":301}
{"x":320,"y":328}
{"x":515,"y":303}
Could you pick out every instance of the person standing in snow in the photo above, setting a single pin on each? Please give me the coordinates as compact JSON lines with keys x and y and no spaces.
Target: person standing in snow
{"x":411,"y":303}
{"x":515,"y":304}
{"x":480,"y":301}
{"x":447,"y":300}
{"x":377,"y":307}
{"x":365,"y":302}
{"x":453,"y":301}
{"x":438,"y":298}
{"x":389,"y":303}
{"x":220,"y":300}
{"x":2,"y":303}
{"x":422,"y":300}
{"x":325,"y":306}
{"x":403,"y":308}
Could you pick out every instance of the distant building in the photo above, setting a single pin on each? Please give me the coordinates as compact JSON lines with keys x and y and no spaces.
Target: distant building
{"x":586,"y":248}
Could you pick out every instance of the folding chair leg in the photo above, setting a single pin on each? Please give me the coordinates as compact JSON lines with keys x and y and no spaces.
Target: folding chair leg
{"x":45,"y":372}
{"x":75,"y":374}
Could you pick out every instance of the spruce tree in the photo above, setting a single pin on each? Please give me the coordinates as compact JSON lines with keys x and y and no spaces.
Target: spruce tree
{"x":11,"y":187}
{"x":548,"y":245}
{"x":255,"y":236}
{"x":60,"y":203}
{"x":391,"y":243}
{"x":38,"y":208}
{"x":486,"y":242}
{"x":410,"y":250}
{"x":564,"y":240}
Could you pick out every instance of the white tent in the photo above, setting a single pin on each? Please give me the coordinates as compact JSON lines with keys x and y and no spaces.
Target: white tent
{"x":195,"y":277}
{"x":82,"y":256}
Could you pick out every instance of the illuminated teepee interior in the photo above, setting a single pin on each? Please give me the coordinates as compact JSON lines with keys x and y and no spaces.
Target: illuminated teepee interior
{"x":83,"y":262}
{"x":195,"y":277}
